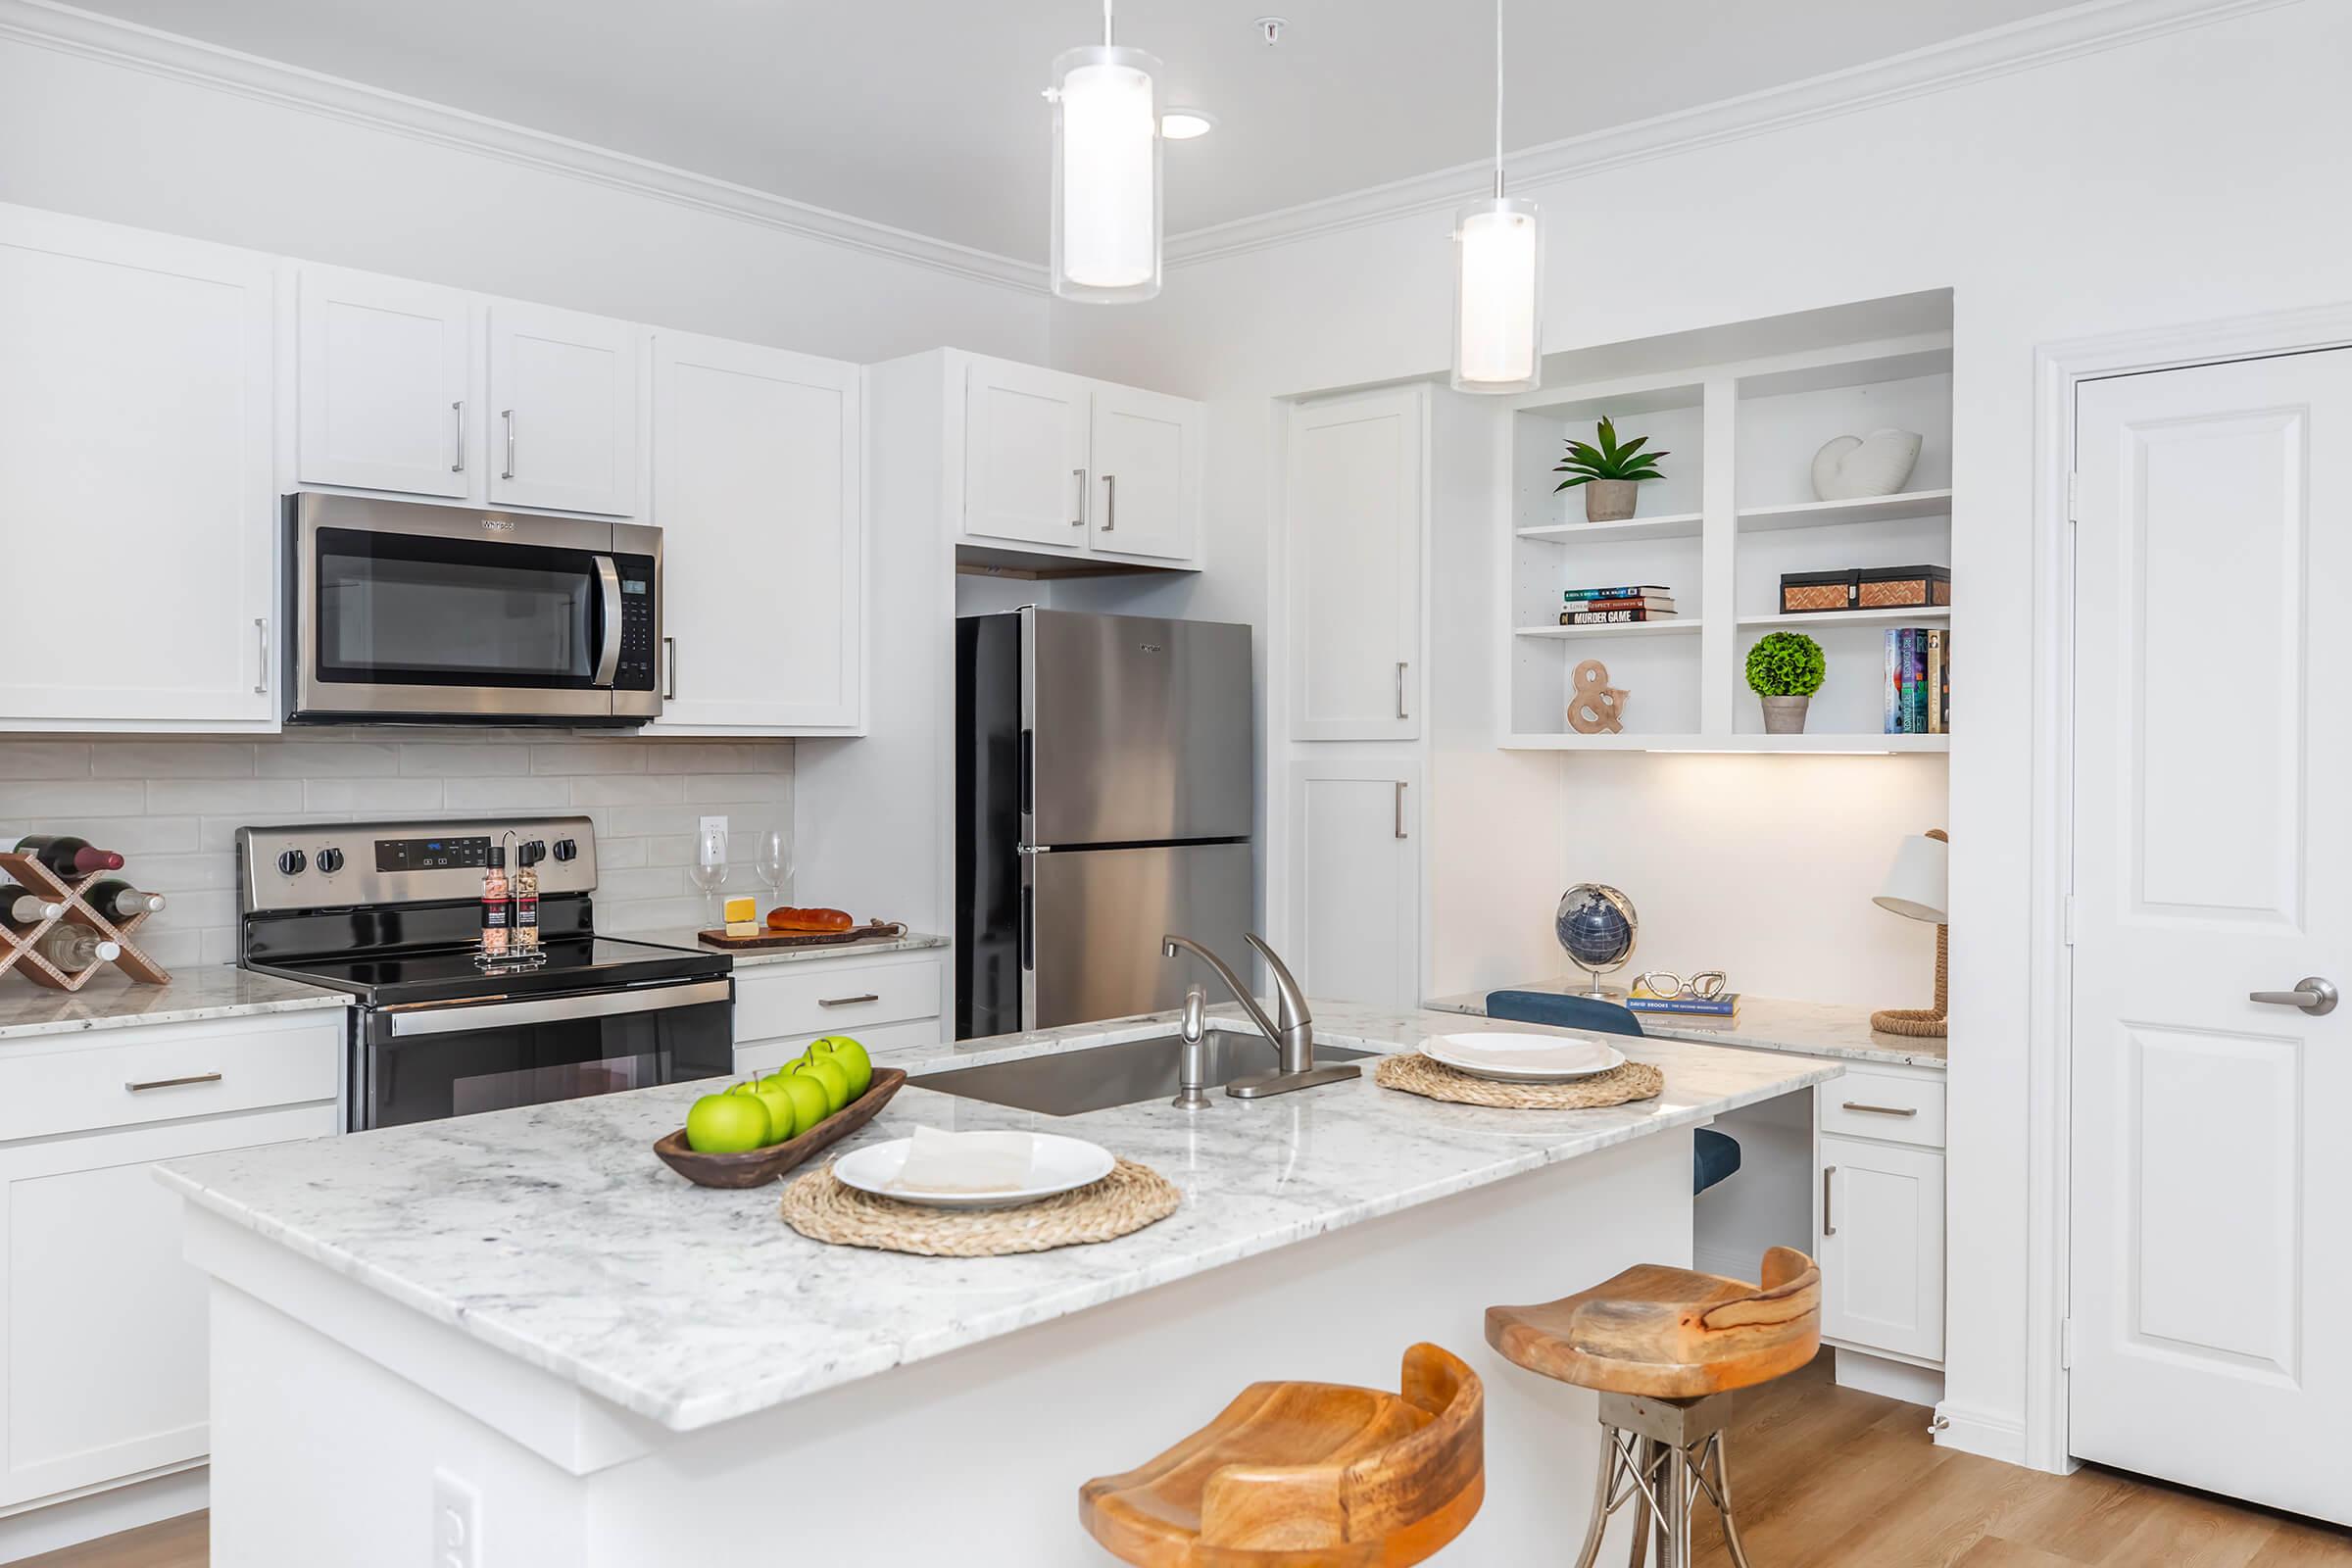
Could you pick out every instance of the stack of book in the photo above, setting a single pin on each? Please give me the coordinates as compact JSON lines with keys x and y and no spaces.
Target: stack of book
{"x":1609,"y":607}
{"x":1919,"y":681}
{"x":1722,"y":1010}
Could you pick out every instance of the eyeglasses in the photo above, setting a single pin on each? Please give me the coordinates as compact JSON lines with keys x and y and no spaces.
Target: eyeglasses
{"x":1706,"y":985}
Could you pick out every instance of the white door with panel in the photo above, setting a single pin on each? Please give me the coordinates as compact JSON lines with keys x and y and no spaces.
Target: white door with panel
{"x":135,"y":391}
{"x":1358,"y":511}
{"x":1147,"y":474}
{"x":564,"y":410}
{"x":1356,"y":881}
{"x":2213,"y":899}
{"x":1025,"y":463}
{"x":382,"y":377}
{"x":1882,"y":1247}
{"x":756,"y":491}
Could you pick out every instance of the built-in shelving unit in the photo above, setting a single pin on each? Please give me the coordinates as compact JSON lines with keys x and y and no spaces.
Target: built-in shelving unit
{"x":1734,"y":510}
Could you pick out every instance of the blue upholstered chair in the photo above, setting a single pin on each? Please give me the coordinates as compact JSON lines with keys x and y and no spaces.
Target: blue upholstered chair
{"x":1714,"y":1156}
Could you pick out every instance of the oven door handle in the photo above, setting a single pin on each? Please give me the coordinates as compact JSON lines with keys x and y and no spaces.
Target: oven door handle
{"x":607,"y":662}
{"x":456,"y":1018}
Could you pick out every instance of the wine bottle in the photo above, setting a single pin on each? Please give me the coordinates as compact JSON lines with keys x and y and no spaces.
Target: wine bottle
{"x":21,"y":907}
{"x":120,"y":900}
{"x":74,"y":948}
{"x":68,"y":857}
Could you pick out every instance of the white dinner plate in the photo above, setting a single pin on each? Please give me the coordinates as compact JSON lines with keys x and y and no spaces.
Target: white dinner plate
{"x":1061,"y":1165}
{"x":1516,"y":1058}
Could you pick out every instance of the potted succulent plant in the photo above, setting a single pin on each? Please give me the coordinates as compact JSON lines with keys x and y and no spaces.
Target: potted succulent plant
{"x":1786,"y":669}
{"x":1608,"y":471}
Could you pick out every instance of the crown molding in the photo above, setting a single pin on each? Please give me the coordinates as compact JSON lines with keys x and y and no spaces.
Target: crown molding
{"x":2080,"y":29}
{"x":72,"y":30}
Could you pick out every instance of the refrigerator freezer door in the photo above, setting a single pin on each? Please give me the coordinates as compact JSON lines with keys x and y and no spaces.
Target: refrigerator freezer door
{"x":1139,"y":728}
{"x":1097,"y":916}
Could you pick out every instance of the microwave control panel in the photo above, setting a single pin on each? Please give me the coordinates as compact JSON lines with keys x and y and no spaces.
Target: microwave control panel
{"x":635,"y":671}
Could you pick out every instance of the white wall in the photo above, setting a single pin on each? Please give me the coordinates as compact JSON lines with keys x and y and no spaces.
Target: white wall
{"x":2186,"y":177}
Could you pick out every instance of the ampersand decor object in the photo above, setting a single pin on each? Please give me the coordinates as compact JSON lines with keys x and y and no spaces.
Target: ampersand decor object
{"x":1596,"y":708}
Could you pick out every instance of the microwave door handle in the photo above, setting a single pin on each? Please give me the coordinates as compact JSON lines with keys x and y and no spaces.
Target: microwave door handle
{"x":445,"y":1018}
{"x":607,"y":662}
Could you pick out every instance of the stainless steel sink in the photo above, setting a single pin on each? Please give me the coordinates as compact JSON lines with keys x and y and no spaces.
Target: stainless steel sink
{"x":1075,"y":1081}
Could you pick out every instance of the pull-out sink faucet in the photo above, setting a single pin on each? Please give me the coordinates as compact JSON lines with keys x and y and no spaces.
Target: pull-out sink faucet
{"x":1293,"y":1037}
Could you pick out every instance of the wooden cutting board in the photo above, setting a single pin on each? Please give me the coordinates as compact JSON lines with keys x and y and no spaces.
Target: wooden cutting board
{"x":805,"y":939}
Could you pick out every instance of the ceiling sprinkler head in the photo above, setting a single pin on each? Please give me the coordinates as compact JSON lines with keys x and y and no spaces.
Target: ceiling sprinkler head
{"x":1270,"y":28}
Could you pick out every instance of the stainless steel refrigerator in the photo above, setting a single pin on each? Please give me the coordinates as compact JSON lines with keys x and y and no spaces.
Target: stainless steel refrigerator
{"x":1102,"y":798}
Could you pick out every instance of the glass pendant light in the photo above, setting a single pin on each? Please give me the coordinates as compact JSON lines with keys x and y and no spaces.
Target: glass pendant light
{"x":1498,"y":281}
{"x":1106,"y":145}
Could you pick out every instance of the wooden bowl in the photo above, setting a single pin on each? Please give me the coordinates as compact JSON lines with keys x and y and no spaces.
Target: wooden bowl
{"x":756,"y":1167}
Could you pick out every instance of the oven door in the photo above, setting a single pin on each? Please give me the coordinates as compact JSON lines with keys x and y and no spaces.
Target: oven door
{"x":411,"y":612}
{"x":427,"y":1062}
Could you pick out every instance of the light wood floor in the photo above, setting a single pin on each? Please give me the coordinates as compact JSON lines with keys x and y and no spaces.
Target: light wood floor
{"x":1827,"y":1478}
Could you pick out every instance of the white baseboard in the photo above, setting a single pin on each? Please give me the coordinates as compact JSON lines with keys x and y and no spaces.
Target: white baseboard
{"x":1895,"y":1380}
{"x":1995,"y":1437}
{"x":103,"y":1513}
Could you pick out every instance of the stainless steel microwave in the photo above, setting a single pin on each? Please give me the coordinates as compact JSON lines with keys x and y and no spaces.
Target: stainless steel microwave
{"x":402,"y":613}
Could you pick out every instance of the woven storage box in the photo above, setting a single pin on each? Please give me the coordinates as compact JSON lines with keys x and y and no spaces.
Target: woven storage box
{"x":1904,"y":587}
{"x":1802,"y":592}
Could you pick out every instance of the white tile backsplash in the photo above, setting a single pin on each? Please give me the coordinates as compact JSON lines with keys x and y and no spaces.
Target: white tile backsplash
{"x":172,"y":807}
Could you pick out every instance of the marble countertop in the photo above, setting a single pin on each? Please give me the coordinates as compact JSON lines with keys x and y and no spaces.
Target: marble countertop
{"x":1766,"y":1023}
{"x":754,"y":957}
{"x":209,"y":990}
{"x":552,"y":1233}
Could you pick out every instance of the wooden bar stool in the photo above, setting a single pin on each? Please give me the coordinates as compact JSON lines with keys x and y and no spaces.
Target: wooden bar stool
{"x":1308,"y":1475}
{"x":1665,"y":1348}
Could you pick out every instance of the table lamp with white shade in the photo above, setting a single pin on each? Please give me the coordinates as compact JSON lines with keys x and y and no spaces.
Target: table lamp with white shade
{"x":1918,"y":887}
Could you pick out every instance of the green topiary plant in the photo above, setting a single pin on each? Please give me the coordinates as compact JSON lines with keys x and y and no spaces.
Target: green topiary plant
{"x":1586,"y":463}
{"x":1785,"y":664}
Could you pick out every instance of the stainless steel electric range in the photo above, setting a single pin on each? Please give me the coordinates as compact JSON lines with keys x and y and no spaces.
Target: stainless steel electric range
{"x":392,"y":913}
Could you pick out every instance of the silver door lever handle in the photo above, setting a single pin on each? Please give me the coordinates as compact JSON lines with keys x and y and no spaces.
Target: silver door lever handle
{"x":2311,"y":994}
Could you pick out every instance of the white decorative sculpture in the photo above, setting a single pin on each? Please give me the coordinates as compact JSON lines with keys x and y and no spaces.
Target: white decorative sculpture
{"x":1850,"y":468}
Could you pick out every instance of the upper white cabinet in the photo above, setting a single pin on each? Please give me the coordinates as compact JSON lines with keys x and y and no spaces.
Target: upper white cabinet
{"x":1357,"y":516}
{"x":384,"y":393}
{"x":135,"y":388}
{"x":1061,"y":465}
{"x":757,"y":493}
{"x":563,"y":405}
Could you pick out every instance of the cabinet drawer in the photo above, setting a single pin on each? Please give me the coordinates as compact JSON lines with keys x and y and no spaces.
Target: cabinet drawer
{"x":172,"y":1071}
{"x":1883,"y":1106}
{"x":879,"y":1040}
{"x":819,"y":997}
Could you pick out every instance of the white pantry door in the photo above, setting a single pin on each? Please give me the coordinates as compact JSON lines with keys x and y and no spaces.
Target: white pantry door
{"x":2212,"y":1261}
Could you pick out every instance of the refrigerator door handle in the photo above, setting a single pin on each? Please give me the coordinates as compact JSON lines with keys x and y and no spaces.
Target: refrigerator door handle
{"x":1028,"y":929}
{"x":1028,"y":765}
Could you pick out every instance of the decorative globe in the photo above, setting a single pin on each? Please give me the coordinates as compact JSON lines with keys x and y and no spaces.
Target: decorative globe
{"x":1596,"y":925}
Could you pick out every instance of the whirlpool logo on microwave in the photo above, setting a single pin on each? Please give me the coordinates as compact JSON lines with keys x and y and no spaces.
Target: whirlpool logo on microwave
{"x":499,"y":524}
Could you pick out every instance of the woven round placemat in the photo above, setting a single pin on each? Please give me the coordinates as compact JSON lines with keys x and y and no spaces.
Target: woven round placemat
{"x":820,"y":1207}
{"x":1417,"y":1074}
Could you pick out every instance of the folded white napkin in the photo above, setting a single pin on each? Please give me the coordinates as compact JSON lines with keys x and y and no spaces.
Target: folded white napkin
{"x":965,"y":1163}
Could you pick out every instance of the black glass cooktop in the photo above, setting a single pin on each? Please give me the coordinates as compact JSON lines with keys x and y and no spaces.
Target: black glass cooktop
{"x":574,"y":964}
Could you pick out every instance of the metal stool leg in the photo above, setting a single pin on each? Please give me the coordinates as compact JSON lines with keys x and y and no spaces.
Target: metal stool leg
{"x":1677,"y":1458}
{"x":1647,"y":1461}
{"x":1612,"y":1461}
{"x":1719,"y":1491}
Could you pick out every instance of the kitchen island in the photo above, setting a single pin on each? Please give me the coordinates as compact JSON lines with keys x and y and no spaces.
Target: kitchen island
{"x":518,"y":1328}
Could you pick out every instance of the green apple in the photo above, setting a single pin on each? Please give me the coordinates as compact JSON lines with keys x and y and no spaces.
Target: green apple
{"x":726,"y":1124}
{"x":810,"y":1103}
{"x":780,"y":1113}
{"x":852,"y":1057}
{"x":832,"y":1075}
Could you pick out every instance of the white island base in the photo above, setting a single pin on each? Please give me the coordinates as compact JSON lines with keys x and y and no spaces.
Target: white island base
{"x":344,"y":1422}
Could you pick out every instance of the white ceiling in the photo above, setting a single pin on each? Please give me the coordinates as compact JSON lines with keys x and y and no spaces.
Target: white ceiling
{"x":925,"y":113}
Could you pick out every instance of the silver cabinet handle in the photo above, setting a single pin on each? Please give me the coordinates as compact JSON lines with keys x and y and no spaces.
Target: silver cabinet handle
{"x":669,"y":688}
{"x":1401,"y":833}
{"x":1883,"y":1111}
{"x":508,"y":415}
{"x":2311,"y":994}
{"x":1111,"y":502}
{"x":845,"y":1002}
{"x":1827,"y":1171}
{"x":1079,"y":474}
{"x":260,"y":637}
{"x":173,"y":1083}
{"x":459,"y":410}
{"x":1401,"y":713}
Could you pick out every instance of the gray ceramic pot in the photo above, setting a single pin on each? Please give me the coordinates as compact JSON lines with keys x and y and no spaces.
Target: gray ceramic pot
{"x":1609,"y":499}
{"x":1785,"y":715}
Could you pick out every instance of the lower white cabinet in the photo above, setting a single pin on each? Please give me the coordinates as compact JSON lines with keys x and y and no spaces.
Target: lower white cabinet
{"x":887,"y":1001}
{"x":103,"y":1325}
{"x":1356,"y":881}
{"x":1880,"y":1215}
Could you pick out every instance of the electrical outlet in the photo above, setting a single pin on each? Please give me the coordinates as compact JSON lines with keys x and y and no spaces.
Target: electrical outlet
{"x":712,"y":824}
{"x":456,"y":1522}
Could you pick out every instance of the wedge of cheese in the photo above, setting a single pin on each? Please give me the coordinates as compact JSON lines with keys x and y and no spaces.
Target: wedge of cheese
{"x":742,"y":928}
{"x":741,"y":911}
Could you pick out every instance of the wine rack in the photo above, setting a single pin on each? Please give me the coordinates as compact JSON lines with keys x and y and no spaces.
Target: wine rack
{"x":16,"y":946}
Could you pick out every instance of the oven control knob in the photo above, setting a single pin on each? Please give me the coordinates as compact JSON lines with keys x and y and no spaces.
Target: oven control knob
{"x":566,"y":850}
{"x":330,"y":859}
{"x":291,"y":862}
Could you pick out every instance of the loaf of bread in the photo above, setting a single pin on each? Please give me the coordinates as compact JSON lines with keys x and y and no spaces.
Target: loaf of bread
{"x":809,"y":920}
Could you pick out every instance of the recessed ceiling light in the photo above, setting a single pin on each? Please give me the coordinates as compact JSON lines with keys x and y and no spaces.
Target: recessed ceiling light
{"x":1184,"y":125}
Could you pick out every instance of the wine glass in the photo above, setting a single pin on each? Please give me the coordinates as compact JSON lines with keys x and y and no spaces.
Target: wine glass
{"x":768,"y":859}
{"x":710,"y":870}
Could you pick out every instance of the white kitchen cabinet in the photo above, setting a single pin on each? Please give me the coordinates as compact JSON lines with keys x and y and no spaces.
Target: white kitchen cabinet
{"x":1880,"y":1227}
{"x":135,"y":386}
{"x":1356,"y":881}
{"x":1025,"y":463}
{"x":383,"y":384}
{"x":1146,"y":485}
{"x":562,"y":406}
{"x":1357,"y":516}
{"x":885,"y":1001}
{"x":757,"y":490}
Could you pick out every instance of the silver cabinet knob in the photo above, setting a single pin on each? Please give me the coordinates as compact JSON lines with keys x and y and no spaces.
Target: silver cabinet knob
{"x":2311,"y":994}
